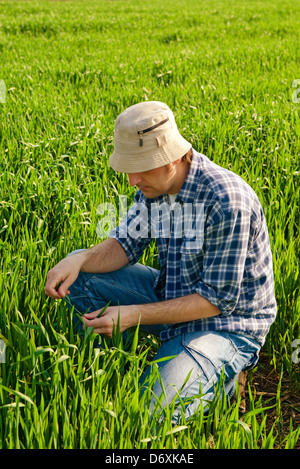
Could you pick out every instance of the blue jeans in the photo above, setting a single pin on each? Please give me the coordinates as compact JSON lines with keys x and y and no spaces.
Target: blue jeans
{"x":203,"y":355}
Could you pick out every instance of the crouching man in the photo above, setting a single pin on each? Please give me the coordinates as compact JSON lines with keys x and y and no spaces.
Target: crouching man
{"x":212,"y":300}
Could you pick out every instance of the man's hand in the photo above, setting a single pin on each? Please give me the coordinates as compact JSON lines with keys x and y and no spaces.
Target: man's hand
{"x":177,"y":310}
{"x":104,"y":257}
{"x":62,"y":276}
{"x":122,"y":317}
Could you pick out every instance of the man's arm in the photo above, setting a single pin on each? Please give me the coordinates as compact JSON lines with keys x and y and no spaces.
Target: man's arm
{"x":183,"y":309}
{"x":105,"y":257}
{"x":177,"y":310}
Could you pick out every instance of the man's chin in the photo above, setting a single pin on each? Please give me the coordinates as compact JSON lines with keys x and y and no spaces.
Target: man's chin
{"x":148,"y":192}
{"x":151,"y":194}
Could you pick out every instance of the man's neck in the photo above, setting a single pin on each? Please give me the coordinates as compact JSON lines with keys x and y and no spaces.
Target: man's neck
{"x":182,"y":172}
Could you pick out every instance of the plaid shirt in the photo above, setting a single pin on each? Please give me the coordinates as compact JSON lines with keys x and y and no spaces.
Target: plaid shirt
{"x":213,"y":241}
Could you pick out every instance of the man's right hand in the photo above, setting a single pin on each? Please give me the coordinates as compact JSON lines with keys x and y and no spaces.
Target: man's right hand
{"x":62,"y":276}
{"x":104,"y":257}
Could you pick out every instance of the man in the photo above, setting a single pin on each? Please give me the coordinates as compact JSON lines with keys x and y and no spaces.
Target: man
{"x":212,"y":301}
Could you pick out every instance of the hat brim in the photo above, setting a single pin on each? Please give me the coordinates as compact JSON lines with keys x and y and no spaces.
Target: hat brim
{"x":127,"y":163}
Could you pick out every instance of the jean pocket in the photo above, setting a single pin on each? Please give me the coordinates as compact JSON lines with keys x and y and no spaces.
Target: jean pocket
{"x":248,"y":350}
{"x":213,"y":351}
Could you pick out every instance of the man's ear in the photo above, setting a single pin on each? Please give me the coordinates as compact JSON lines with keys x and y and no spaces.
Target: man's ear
{"x":177,"y":161}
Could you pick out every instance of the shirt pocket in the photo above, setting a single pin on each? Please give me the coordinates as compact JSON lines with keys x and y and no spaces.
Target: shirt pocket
{"x":191,"y":261}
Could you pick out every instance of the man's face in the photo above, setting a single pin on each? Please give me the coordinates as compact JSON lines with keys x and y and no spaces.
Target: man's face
{"x":157,"y":181}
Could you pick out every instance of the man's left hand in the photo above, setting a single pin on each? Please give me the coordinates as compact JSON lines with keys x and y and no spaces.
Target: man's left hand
{"x":113,"y":317}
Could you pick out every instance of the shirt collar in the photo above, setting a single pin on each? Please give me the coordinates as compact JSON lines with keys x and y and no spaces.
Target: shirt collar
{"x":187,"y":191}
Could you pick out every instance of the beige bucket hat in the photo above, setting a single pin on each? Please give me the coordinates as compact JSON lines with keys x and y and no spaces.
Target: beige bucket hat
{"x":146,"y":137}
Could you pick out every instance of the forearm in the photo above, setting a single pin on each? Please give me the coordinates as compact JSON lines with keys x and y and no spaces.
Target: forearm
{"x":184,"y":309}
{"x":177,"y":310}
{"x":105,"y":257}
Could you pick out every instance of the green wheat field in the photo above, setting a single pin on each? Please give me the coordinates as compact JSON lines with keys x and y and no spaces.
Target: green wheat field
{"x":229,"y":70}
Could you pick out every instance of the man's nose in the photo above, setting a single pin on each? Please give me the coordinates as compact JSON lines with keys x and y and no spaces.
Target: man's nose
{"x":134,"y":179}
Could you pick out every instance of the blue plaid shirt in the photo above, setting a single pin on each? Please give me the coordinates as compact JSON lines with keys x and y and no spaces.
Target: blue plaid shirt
{"x":213,"y":241}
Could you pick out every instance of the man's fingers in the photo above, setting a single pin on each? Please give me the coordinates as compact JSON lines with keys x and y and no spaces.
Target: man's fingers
{"x":92,"y":320}
{"x":56,"y":292}
{"x":52,"y":290}
{"x":63,"y":289}
{"x":57,"y":286}
{"x":61,"y":277}
{"x":92,"y":315}
{"x":52,"y":293}
{"x":101,"y":328}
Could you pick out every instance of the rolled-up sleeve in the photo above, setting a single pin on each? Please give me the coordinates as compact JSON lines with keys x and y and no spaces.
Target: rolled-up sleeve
{"x":225,"y":248}
{"x":133,"y":232}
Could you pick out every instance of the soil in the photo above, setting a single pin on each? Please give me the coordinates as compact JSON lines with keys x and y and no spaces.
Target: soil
{"x":264,"y":381}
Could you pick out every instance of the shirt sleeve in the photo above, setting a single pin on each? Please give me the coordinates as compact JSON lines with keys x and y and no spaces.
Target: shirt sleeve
{"x":133,"y":233}
{"x":225,"y":247}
